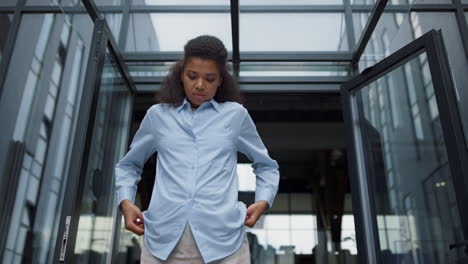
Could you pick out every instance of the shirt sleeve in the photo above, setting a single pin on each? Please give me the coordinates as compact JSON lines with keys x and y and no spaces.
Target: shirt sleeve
{"x":128,"y":169}
{"x":265,"y":168}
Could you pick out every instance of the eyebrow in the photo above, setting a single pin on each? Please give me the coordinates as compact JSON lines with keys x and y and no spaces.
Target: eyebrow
{"x":208,"y":74}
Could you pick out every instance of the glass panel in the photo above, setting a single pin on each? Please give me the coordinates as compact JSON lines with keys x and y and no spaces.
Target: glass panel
{"x":401,"y":2}
{"x":155,"y":32}
{"x":8,"y":2}
{"x":5,"y":21}
{"x":296,"y":237}
{"x":296,"y":32}
{"x":149,"y":69}
{"x":411,"y":180}
{"x":363,"y":2}
{"x":293,"y":69}
{"x":291,"y":2}
{"x":98,"y":211}
{"x":115,"y":23}
{"x":72,"y":2}
{"x":395,"y":30}
{"x":284,"y":236}
{"x":42,"y":98}
{"x":180,"y":2}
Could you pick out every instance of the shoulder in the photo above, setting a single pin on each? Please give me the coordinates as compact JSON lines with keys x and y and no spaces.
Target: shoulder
{"x":233,"y":107}
{"x":158,"y":108}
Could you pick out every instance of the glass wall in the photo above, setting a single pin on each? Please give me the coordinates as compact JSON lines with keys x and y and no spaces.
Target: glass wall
{"x":296,"y":32}
{"x":396,"y":29}
{"x":417,"y":213}
{"x":39,"y":107}
{"x":8,"y":3}
{"x":5,"y":20}
{"x":156,"y":31}
{"x":42,"y":90}
{"x":97,"y":220}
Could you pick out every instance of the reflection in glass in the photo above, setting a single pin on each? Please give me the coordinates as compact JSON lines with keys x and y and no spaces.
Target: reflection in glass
{"x":8,"y":2}
{"x":50,"y":56}
{"x":115,"y":22}
{"x":296,"y":32}
{"x":170,"y":31}
{"x":412,"y":184}
{"x":72,"y":2}
{"x":149,"y":69}
{"x":5,"y":21}
{"x":291,"y":2}
{"x":293,"y":69}
{"x":241,"y":2}
{"x":180,"y":2}
{"x":291,"y":232}
{"x":402,"y":28}
{"x":94,"y":242}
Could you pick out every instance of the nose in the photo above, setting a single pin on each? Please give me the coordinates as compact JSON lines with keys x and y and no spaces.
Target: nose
{"x":199,"y":84}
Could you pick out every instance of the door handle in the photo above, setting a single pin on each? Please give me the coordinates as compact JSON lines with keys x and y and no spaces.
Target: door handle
{"x":460,"y":244}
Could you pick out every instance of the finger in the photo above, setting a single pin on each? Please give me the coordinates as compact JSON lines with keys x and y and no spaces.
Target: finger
{"x":138,"y":221}
{"x":251,"y":208}
{"x":249,"y":223}
{"x":139,"y":230}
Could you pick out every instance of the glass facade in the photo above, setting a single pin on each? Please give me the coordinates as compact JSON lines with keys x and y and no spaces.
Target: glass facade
{"x":296,"y":32}
{"x":97,"y":226}
{"x":47,"y":66}
{"x":8,"y":3}
{"x":294,"y":69}
{"x":6,"y":20}
{"x":394,"y":30}
{"x":155,"y":31}
{"x":294,"y":55}
{"x":413,"y":187}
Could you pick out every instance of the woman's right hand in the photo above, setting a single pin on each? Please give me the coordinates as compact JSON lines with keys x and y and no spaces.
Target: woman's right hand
{"x":133,"y":217}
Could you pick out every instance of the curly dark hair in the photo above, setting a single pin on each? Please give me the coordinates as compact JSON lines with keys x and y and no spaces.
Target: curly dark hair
{"x":207,"y":48}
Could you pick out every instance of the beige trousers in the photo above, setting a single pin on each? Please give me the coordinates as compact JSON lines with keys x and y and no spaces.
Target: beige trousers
{"x":186,"y":252}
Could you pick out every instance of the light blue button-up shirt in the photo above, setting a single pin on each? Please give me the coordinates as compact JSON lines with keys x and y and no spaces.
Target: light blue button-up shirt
{"x":196,"y":179}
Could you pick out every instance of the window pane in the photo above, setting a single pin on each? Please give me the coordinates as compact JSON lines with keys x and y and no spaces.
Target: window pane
{"x":296,"y":32}
{"x":180,"y":2}
{"x":156,"y":32}
{"x":97,"y":212}
{"x":291,"y":2}
{"x":41,"y":94}
{"x":73,"y":2}
{"x":410,"y":168}
{"x":293,"y":69}
{"x":402,"y":28}
{"x":8,"y":2}
{"x":5,"y":21}
{"x":115,"y":22}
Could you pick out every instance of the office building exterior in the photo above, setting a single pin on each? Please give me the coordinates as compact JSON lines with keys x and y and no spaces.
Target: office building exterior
{"x":363,"y":104}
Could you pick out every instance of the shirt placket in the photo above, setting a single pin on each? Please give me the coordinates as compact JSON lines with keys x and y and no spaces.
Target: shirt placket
{"x":193,"y":116}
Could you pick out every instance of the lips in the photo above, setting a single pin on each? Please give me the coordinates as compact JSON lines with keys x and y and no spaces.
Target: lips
{"x":199,"y":95}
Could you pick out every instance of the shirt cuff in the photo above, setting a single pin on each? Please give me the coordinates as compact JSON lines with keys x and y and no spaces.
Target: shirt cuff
{"x":265,"y":195}
{"x":125,"y":194}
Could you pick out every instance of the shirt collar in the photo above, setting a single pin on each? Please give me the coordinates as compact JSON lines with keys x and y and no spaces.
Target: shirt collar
{"x":212,"y":102}
{"x":184,"y":103}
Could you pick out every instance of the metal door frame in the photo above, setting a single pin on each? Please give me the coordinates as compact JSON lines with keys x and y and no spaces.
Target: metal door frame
{"x":66,"y":236}
{"x":363,"y":199}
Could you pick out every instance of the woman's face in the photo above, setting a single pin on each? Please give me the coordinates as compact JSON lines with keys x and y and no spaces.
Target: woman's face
{"x":201,"y":79}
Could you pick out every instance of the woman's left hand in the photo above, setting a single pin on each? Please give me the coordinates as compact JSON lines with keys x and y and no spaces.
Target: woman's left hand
{"x":254,"y":211}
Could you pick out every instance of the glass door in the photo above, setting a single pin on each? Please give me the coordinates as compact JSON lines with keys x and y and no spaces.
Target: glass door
{"x":91,"y":222}
{"x":408,"y":159}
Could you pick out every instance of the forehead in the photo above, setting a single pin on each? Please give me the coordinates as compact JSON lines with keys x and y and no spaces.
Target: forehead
{"x":201,"y":65}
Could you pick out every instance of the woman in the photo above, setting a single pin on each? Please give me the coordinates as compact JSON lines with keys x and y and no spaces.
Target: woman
{"x":197,"y":129}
